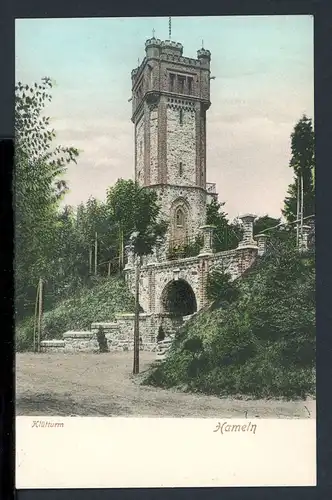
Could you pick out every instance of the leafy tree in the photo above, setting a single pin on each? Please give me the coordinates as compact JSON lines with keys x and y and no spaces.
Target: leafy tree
{"x":265,"y":222}
{"x":226,"y":235}
{"x":220,"y":288}
{"x":135,"y":210}
{"x":38,"y":188}
{"x":301,"y":193}
{"x":97,"y":228}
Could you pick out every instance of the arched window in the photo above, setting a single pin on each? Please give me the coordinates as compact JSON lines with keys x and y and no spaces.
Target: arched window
{"x":179,"y":217}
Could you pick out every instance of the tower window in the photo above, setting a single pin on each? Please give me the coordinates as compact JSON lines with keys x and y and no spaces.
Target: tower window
{"x":171,"y":82}
{"x":180,"y":169}
{"x":150,"y":78}
{"x":181,"y":80}
{"x":181,"y":116}
{"x":190,"y":85}
{"x":179,"y":217}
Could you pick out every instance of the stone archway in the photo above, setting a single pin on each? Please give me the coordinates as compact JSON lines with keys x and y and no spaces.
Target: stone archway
{"x":178,"y":298}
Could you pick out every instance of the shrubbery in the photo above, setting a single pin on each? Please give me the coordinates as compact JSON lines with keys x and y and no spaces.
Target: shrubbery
{"x":261,"y":344}
{"x":100,"y":302}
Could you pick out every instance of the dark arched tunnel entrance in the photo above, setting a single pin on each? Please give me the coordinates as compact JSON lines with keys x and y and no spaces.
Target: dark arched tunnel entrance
{"x":178,"y":298}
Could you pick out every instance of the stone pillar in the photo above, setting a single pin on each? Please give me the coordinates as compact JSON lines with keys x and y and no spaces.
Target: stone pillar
{"x":152,"y":286}
{"x":261,"y":242}
{"x":303,"y":241}
{"x":207,"y":240}
{"x":158,"y":249}
{"x":248,"y":231}
{"x":204,"y":271}
{"x":130,"y":264}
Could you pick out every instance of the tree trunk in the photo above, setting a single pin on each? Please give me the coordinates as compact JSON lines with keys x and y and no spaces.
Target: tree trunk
{"x":136,"y":322}
{"x":96,"y":254}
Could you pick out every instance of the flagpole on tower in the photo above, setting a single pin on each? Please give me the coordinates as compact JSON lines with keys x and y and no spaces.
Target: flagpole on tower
{"x":169,"y":28}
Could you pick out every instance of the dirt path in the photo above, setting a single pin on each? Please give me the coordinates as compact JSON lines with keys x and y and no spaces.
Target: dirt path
{"x":102,"y":384}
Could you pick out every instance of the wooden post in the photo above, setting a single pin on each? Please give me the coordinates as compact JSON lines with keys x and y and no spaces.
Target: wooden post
{"x":35,"y":323}
{"x":109,"y":268}
{"x":136,"y":322}
{"x":40,"y":312}
{"x":96,"y":253}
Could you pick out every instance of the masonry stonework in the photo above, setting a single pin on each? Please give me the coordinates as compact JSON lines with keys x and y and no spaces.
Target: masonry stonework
{"x":176,"y":92}
{"x":170,"y":98}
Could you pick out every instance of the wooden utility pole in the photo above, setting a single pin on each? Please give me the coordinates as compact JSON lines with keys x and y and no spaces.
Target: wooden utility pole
{"x":40,"y":313}
{"x":122,"y":250}
{"x":136,"y":322}
{"x":298,"y":211}
{"x":302,"y":210}
{"x":96,"y":253}
{"x":90,"y":260}
{"x":109,"y":269}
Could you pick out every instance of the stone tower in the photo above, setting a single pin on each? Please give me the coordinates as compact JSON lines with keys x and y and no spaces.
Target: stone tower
{"x":170,"y":97}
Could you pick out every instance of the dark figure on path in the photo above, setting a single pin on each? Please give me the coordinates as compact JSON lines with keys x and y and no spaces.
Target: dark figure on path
{"x":161,"y":334}
{"x":102,"y":340}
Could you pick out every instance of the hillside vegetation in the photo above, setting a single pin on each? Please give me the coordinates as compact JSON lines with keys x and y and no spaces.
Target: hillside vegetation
{"x":257,"y":341}
{"x":98,"y":302}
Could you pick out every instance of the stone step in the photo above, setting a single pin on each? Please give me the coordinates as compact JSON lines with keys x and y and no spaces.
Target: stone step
{"x":105,"y":326}
{"x":52,"y":343}
{"x":85,"y":334}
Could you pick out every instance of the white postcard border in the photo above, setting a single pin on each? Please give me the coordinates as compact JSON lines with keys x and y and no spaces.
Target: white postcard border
{"x":97,"y":452}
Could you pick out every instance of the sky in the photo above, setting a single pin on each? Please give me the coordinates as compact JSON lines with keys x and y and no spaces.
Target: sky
{"x":263,"y":68}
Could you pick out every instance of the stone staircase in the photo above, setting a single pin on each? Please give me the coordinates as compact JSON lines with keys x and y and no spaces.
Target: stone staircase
{"x":163,"y":347}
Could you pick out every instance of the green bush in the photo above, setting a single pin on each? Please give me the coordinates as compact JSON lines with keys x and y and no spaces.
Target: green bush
{"x":260,"y":343}
{"x":220,"y":288}
{"x":100,"y":302}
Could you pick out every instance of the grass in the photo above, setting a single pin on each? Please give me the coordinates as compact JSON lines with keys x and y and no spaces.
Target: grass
{"x":101,"y":302}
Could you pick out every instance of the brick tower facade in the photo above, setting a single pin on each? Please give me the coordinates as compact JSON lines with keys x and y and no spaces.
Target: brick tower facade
{"x":170,"y":97}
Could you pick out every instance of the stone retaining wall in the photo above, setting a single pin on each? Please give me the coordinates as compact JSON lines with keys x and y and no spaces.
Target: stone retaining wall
{"x":119,"y":334}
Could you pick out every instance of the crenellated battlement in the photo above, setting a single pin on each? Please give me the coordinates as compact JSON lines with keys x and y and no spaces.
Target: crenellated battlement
{"x":203,"y":53}
{"x":155,"y":42}
{"x":168,"y":51}
{"x":170,"y":97}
